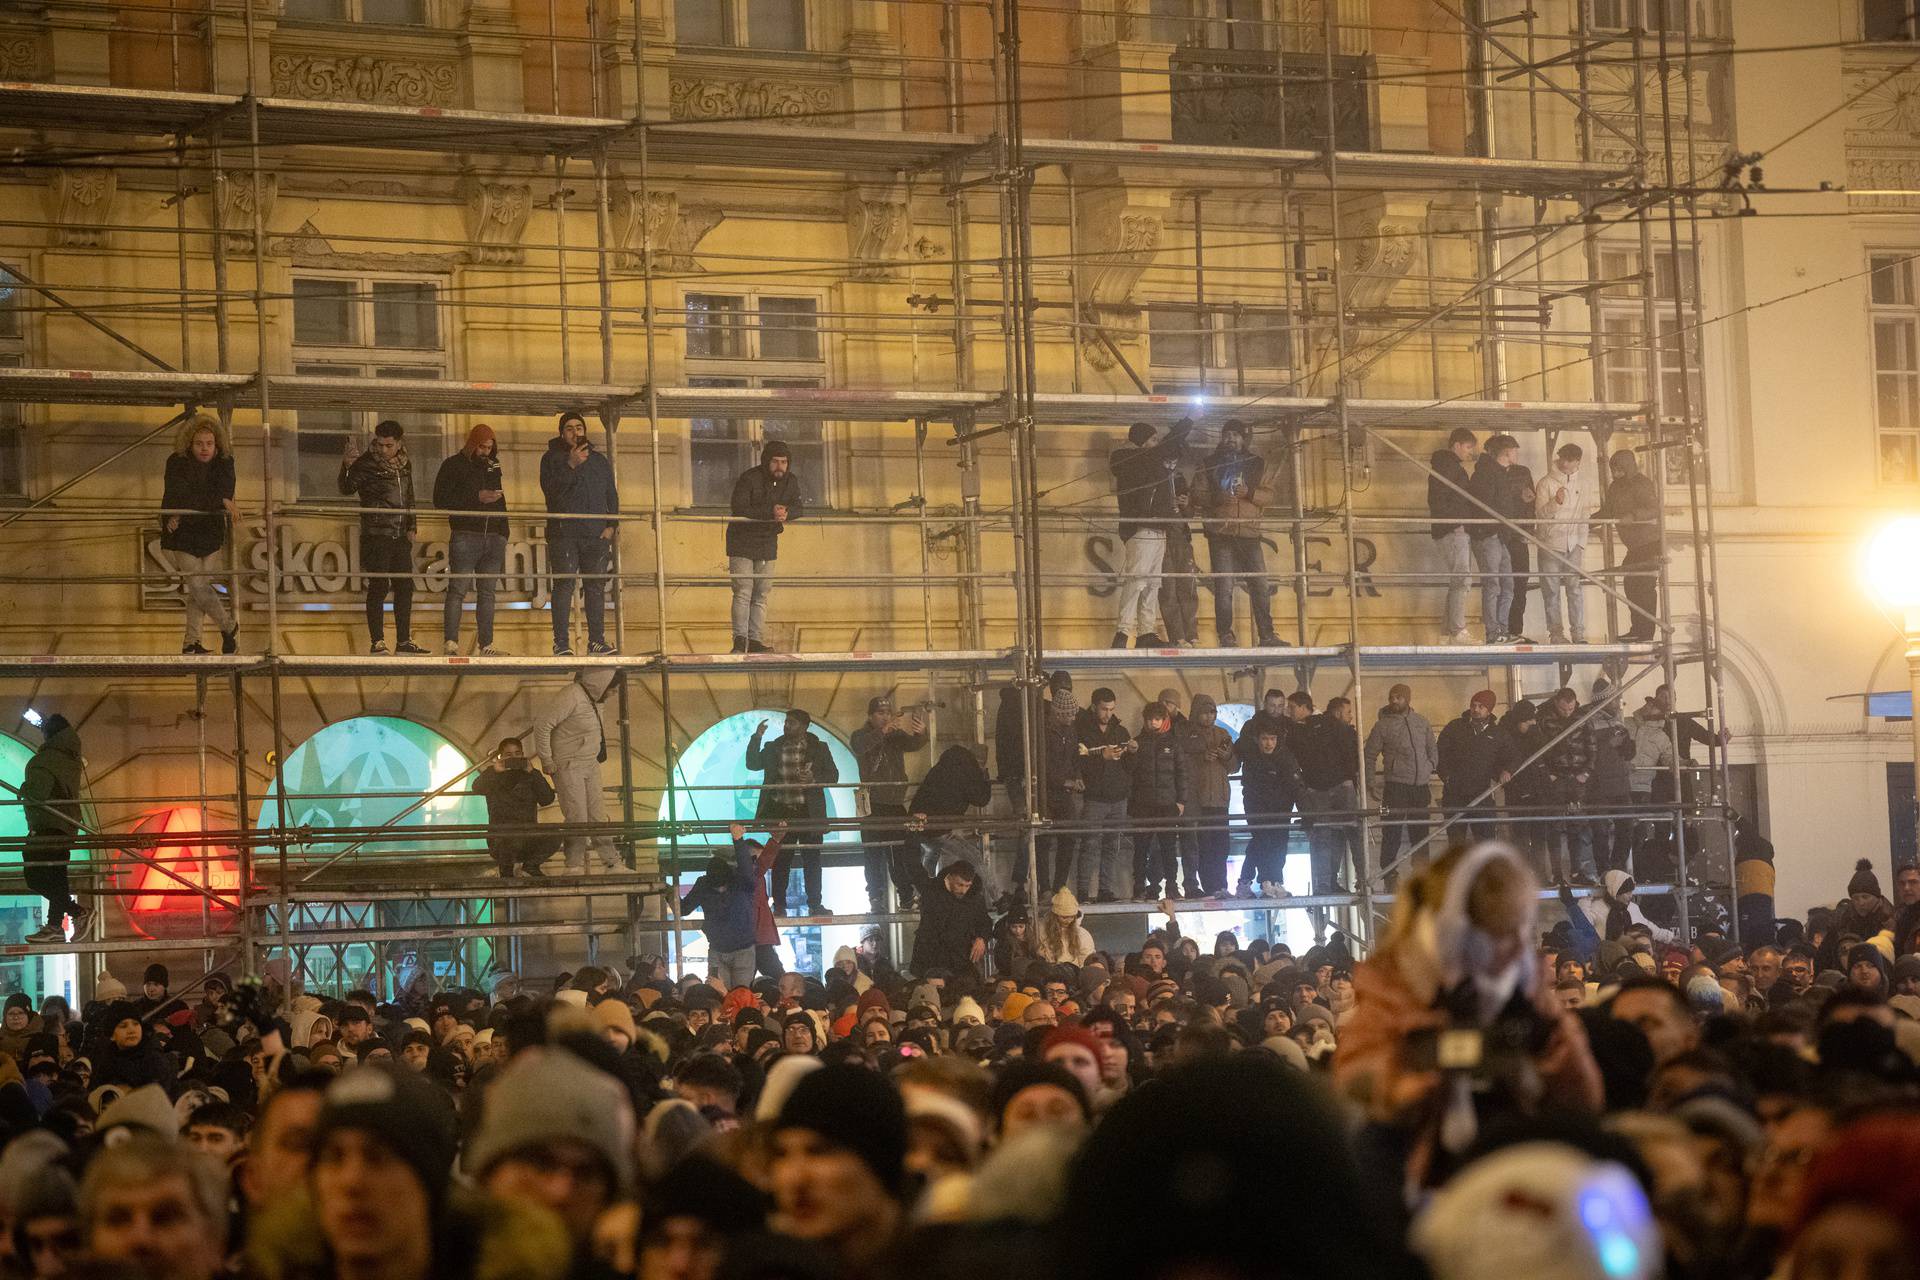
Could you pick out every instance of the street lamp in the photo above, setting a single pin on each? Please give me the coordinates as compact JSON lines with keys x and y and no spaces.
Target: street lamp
{"x":1892,"y":571}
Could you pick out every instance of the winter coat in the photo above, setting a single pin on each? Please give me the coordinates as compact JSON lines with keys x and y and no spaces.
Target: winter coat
{"x":754,"y":533}
{"x":1009,"y":747}
{"x":514,"y":796}
{"x":50,"y":788}
{"x":882,"y":758}
{"x":457,"y":487}
{"x":1516,"y":496}
{"x":784,"y":798}
{"x":1635,"y":503}
{"x":1105,"y":779}
{"x":1862,"y":925}
{"x":1406,"y":740}
{"x":1159,"y":770}
{"x":1059,"y":739}
{"x":1207,"y":779}
{"x":1328,"y":751}
{"x":726,"y":902}
{"x":1489,"y":485}
{"x":385,"y":489}
{"x":203,"y":487}
{"x":1446,"y":504}
{"x":1229,"y":514}
{"x":1269,"y":784}
{"x":476,"y":1238}
{"x":955,"y":784}
{"x":1143,"y":479}
{"x":1179,"y":553}
{"x":1563,"y":521}
{"x":1613,"y":752}
{"x":1610,"y":924}
{"x":569,"y":730}
{"x":585,"y":490}
{"x":765,"y":932}
{"x":1652,"y":749}
{"x":1573,"y":754}
{"x":949,"y":925}
{"x":1469,"y":758}
{"x":1527,"y":785}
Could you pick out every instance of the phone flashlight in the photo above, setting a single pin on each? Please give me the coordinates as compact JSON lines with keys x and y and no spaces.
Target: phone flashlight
{"x":33,"y":717}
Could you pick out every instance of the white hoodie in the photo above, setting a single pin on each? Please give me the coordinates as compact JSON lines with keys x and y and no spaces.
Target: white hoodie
{"x":1563,"y":521}
{"x":1596,"y":907}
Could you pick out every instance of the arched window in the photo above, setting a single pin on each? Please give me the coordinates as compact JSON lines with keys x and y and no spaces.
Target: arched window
{"x":49,"y":973}
{"x":373,"y":771}
{"x":712,"y":784}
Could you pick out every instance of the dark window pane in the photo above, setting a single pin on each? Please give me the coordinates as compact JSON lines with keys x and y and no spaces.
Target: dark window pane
{"x":404,"y":314}
{"x":700,"y":22}
{"x":1175,"y":337}
{"x":12,"y":460}
{"x":316,"y":9}
{"x":1889,"y":20}
{"x":323,"y":312}
{"x":1892,"y":281}
{"x":319,"y":461}
{"x":776,"y":24}
{"x":1263,"y":340}
{"x":714,"y":326}
{"x":789,"y":329}
{"x":411,"y":13}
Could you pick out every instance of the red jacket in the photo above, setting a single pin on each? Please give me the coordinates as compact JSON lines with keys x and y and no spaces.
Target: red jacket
{"x":764,"y":934}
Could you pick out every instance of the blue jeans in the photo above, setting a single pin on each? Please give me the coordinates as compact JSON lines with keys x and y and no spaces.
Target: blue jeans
{"x":752,"y":584}
{"x":473,"y":559}
{"x":1241,"y":556}
{"x":1560,"y":573}
{"x":1491,"y":558}
{"x":1455,"y":561}
{"x":582,"y":556}
{"x":1100,"y":850}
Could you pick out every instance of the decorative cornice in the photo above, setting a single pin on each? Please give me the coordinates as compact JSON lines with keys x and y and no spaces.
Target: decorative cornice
{"x":399,"y":82}
{"x":496,"y":215}
{"x":707,"y":98}
{"x":82,"y":200}
{"x":308,"y":248}
{"x":664,"y":227}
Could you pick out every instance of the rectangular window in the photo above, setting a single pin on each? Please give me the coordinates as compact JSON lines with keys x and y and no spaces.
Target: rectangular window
{"x":399,"y":13}
{"x":743,"y":24}
{"x":1896,"y":367}
{"x":13,"y":354}
{"x":754,"y":340}
{"x":1888,"y":20}
{"x":1675,"y":349}
{"x":1221,"y":348}
{"x":347,"y":326}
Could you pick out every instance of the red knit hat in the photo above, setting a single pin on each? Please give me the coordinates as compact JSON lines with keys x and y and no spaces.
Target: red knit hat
{"x":1070,"y":1033}
{"x":1872,"y":1164}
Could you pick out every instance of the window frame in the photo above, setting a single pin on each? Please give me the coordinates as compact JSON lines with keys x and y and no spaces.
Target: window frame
{"x":750,"y":368}
{"x":1907,"y":313}
{"x":1866,"y":27}
{"x":353,"y":13}
{"x":359,"y":357}
{"x":1219,"y":335}
{"x":737,"y":28}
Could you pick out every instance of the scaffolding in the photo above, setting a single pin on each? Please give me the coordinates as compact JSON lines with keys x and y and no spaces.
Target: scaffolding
{"x":1280,"y":120}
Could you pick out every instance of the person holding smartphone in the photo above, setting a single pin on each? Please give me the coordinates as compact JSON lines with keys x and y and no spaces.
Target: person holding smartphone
{"x":577,"y":481}
{"x":515,"y":793}
{"x":382,"y":478}
{"x":470,"y":482}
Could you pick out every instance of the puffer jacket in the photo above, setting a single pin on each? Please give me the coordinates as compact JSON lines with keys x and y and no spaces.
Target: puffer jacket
{"x":1652,"y":749}
{"x":1269,"y":784}
{"x":948,"y":925}
{"x":1327,"y":749}
{"x":1573,"y":754}
{"x":204,"y":487}
{"x":1469,"y":758}
{"x":1208,"y":779}
{"x":385,"y":489}
{"x":1563,"y":520}
{"x":569,"y":729}
{"x":754,"y":533}
{"x":1160,"y":778}
{"x":1143,"y":479}
{"x":1230,"y":492}
{"x":1405,"y":739}
{"x":51,"y":786}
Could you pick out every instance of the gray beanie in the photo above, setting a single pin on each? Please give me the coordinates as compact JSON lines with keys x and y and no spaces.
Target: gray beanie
{"x":548,"y":1095}
{"x":147,"y":1107}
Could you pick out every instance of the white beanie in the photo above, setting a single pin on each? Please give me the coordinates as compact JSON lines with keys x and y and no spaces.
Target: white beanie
{"x":146,"y":1107}
{"x":108,"y":987}
{"x":1540,"y":1210}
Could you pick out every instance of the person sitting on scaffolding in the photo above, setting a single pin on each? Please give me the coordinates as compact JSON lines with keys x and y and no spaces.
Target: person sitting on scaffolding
{"x":765,"y":500}
{"x":382,"y":478}
{"x":50,"y":794}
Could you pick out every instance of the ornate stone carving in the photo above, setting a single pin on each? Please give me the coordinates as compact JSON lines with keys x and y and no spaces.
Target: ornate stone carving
{"x":396,"y":82}
{"x":496,"y":214}
{"x":1119,"y":239}
{"x":20,"y":58}
{"x":1880,"y":105}
{"x":878,"y":223}
{"x":1883,"y":173}
{"x":1384,"y":240}
{"x":308,"y":248}
{"x":665,"y":227}
{"x":82,"y":199}
{"x":701,"y":98}
{"x":237,"y":203}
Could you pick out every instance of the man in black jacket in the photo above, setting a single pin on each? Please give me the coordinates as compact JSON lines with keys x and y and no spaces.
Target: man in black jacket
{"x":578,"y":481}
{"x":1516,"y":504}
{"x":1448,"y":505}
{"x":1633,"y":500}
{"x":382,"y":478}
{"x":766,"y":499}
{"x":1103,"y":745}
{"x":1159,"y":794}
{"x":1327,"y":748}
{"x":469,"y":481}
{"x":1143,"y":471}
{"x":954,"y":924}
{"x":1568,"y":767}
{"x":1269,"y":788}
{"x":1470,"y":748}
{"x":515,"y":793}
{"x":880,"y":748}
{"x":1490,"y":555}
{"x":798,"y":767}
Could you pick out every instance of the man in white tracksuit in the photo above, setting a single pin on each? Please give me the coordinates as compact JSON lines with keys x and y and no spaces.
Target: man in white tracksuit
{"x":1561,"y":501}
{"x":570,"y":740}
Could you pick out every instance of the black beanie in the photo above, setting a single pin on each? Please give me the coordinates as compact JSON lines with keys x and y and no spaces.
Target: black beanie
{"x":1024,"y":1073}
{"x":853,"y":1107}
{"x":409,"y":1116}
{"x":1140,"y":433}
{"x":702,"y":1188}
{"x":156,"y":973}
{"x":1863,"y":879}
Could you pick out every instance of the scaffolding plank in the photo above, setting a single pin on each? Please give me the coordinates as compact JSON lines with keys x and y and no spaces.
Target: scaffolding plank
{"x":759,"y":663}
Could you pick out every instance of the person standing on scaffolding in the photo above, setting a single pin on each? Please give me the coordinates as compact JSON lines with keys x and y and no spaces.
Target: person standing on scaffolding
{"x":50,"y":794}
{"x":577,"y":481}
{"x":382,"y":478}
{"x":765,"y":500}
{"x":799,"y":768}
{"x":1143,"y":472}
{"x":200,"y":479}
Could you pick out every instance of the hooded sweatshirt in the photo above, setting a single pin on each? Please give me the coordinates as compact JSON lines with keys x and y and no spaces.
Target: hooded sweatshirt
{"x":753,"y":533}
{"x":569,"y":729}
{"x":198,"y":486}
{"x":461,"y":480}
{"x":1449,"y":507}
{"x":1613,"y":912}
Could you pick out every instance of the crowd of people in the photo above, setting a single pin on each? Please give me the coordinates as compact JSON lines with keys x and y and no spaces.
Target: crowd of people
{"x":1489,"y":519}
{"x":1484,"y":1096}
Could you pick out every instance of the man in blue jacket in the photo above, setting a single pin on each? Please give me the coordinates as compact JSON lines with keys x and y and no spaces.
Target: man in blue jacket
{"x":578,"y":481}
{"x":765,"y":499}
{"x":725,"y":897}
